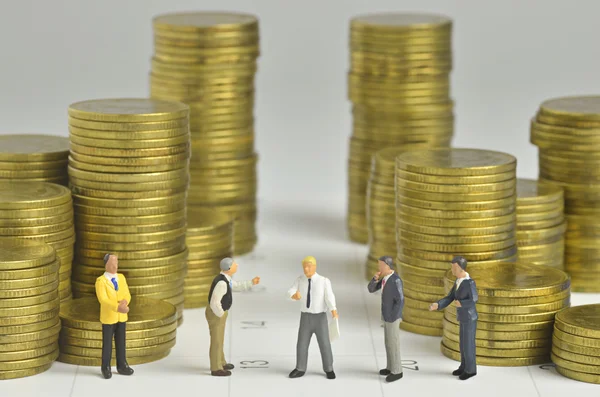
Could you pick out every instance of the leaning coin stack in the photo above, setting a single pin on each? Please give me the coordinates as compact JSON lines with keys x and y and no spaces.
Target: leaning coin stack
{"x":576,"y":343}
{"x":540,"y":223}
{"x":516,"y":308}
{"x":399,"y":85}
{"x":566,"y":132}
{"x":208,"y":60}
{"x":29,"y":305}
{"x":128,"y":171}
{"x":34,"y":158}
{"x":209,"y":239}
{"x":41,"y":211}
{"x":450,"y":202}
{"x":150,"y":332}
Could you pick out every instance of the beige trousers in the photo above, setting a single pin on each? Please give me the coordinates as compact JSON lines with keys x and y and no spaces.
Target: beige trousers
{"x":216,"y":327}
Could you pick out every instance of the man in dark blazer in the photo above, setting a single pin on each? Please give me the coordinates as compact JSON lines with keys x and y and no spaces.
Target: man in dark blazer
{"x":464,"y":295}
{"x":392,"y":303}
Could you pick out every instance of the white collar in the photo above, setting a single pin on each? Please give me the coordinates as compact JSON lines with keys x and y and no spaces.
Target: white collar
{"x":227,"y":276}
{"x":467,"y":277}
{"x":388,"y":276}
{"x":110,"y":275}
{"x":314,"y":276}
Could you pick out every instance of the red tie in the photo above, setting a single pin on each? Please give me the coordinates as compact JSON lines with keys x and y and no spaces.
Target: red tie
{"x":383,"y":284}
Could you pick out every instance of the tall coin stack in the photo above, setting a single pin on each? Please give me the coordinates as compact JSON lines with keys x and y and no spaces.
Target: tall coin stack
{"x":541,"y":223}
{"x":450,"y":202}
{"x":576,"y":343}
{"x":208,"y":61}
{"x":150,"y":332}
{"x":516,"y":308}
{"x":209,"y":239}
{"x":399,"y":86}
{"x":128,"y":171}
{"x":41,"y":211}
{"x":29,"y":305}
{"x":565,"y":130}
{"x":34,"y":158}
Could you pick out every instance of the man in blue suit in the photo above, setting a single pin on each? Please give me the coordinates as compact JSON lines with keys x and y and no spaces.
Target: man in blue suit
{"x":392,"y":302}
{"x":464,"y":295}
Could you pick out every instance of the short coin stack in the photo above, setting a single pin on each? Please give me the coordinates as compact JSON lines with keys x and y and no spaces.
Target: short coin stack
{"x":34,"y":158}
{"x":129,"y":175}
{"x":576,"y":343}
{"x":567,"y":134}
{"x":29,"y":305}
{"x":209,"y":239}
{"x":450,"y":202}
{"x":41,"y":211}
{"x":541,"y":223}
{"x":208,"y":60}
{"x":150,"y":332}
{"x":399,"y":85}
{"x":516,"y":307}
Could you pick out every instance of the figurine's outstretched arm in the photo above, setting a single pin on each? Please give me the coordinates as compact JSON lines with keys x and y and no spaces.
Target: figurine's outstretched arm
{"x":448,"y":299}
{"x":292,"y":291}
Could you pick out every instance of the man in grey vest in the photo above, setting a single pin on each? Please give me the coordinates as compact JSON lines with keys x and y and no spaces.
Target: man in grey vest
{"x":464,"y":295}
{"x":392,"y":303}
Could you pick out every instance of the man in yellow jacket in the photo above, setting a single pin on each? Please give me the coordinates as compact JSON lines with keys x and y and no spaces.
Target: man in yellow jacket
{"x":114,"y":297}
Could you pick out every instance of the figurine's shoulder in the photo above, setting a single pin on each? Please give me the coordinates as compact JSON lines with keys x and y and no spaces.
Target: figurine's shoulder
{"x":471,"y":282}
{"x":100,"y":278}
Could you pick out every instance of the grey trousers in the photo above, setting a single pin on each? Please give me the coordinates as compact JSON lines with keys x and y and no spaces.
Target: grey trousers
{"x":313,"y":324}
{"x":391,"y":333}
{"x":467,"y":346}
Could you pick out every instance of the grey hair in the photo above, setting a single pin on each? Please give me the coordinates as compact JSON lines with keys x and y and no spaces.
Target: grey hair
{"x":388,"y":260}
{"x":460,"y":261}
{"x":226,"y":264}
{"x":106,"y":258}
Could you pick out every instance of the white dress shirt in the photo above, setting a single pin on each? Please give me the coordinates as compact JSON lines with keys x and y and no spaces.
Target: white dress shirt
{"x":460,"y":280}
{"x":220,"y":291}
{"x":386,"y":279}
{"x":321,"y":294}
{"x":110,"y":276}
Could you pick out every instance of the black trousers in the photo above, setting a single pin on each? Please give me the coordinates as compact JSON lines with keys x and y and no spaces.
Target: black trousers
{"x":117,"y":331}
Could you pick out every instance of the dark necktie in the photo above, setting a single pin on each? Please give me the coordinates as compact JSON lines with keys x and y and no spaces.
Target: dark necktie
{"x":114,"y":281}
{"x":308,"y":295}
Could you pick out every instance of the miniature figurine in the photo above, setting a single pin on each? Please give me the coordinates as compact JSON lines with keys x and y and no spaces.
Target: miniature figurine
{"x":464,"y":295}
{"x":316,"y":297}
{"x":220,"y":299}
{"x":114,"y":297}
{"x":392,"y":303}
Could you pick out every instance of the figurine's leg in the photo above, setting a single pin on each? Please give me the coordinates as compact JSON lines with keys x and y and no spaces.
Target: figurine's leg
{"x":462,"y":337}
{"x":108,"y":332}
{"x":386,"y":343}
{"x":305,"y":332}
{"x":322,"y":331}
{"x":120,"y":344}
{"x":222,"y":338}
{"x":214,"y":350}
{"x":392,"y":347}
{"x":469,"y":347}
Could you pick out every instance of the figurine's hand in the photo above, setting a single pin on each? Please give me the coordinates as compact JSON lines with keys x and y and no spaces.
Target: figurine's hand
{"x":457,"y":304}
{"x":334,"y":314}
{"x":433,"y":306}
{"x":296,"y":296}
{"x":376,"y":276}
{"x":123,"y":302}
{"x":255,"y":280}
{"x":122,"y":308}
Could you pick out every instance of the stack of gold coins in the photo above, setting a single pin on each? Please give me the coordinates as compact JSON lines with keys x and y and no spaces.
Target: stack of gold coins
{"x":450,"y":202}
{"x":565,"y":130}
{"x":541,"y":223}
{"x":150,"y":332}
{"x":516,"y":308}
{"x":29,"y":305}
{"x":34,"y":158}
{"x":576,"y":343}
{"x":208,"y":60}
{"x":209,"y":239}
{"x":129,"y":175}
{"x":399,"y":85}
{"x":41,"y":211}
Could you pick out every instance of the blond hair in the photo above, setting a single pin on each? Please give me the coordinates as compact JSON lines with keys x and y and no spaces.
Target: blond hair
{"x":310,"y":259}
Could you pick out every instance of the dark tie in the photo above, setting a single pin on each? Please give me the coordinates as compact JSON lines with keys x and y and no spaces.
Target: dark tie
{"x":308,"y":295}
{"x":114,"y":281}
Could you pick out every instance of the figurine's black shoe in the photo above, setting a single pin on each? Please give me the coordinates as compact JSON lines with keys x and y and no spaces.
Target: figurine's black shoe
{"x":220,"y":372}
{"x":330,"y":375}
{"x":125,"y":370}
{"x":296,"y":374}
{"x":465,"y":376}
{"x":384,"y":372}
{"x":228,"y":367}
{"x":106,"y":372}
{"x":458,"y":372}
{"x":393,"y":377}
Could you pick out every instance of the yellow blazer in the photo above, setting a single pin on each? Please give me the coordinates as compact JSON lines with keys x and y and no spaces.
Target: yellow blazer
{"x":109,"y":299}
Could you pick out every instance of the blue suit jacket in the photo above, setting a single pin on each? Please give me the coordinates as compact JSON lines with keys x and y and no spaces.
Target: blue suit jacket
{"x":467,"y":296}
{"x":392,"y":297}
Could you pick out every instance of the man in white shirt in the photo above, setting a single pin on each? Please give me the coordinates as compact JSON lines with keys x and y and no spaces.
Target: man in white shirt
{"x":316,"y":297}
{"x":220,"y":300}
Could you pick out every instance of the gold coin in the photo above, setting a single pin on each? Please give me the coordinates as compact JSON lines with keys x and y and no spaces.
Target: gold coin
{"x":511,"y":318}
{"x":428,"y":238}
{"x":28,"y":301}
{"x":30,"y":332}
{"x":103,"y":194}
{"x":26,"y":346}
{"x":458,"y":197}
{"x":30,"y":354}
{"x":570,"y":364}
{"x":118,"y":169}
{"x":178,"y":242}
{"x":205,"y":22}
{"x":456,"y":189}
{"x":497,"y":361}
{"x":131,"y":352}
{"x":526,"y":309}
{"x":573,"y":108}
{"x":80,"y":272}
{"x":453,"y":324}
{"x":417,"y":319}
{"x":22,"y":373}
{"x":131,"y":255}
{"x":138,"y":203}
{"x":580,"y":320}
{"x":129,"y":343}
{"x":135,"y":264}
{"x":130,"y":153}
{"x":24,"y":195}
{"x":122,"y":130}
{"x":130,"y":144}
{"x":35,"y":230}
{"x":455,"y":180}
{"x":173,"y":159}
{"x":580,"y":376}
{"x":57,"y":237}
{"x":421,"y":220}
{"x":133,"y":186}
{"x":138,"y":281}
{"x":455,"y":231}
{"x":44,"y":278}
{"x":32,"y":165}
{"x":420,"y":329}
{"x":94,"y":362}
{"x":585,"y":342}
{"x":30,"y":310}
{"x":29,"y":363}
{"x":572,"y":348}
{"x":453,"y":214}
{"x":456,"y":206}
{"x":27,"y":147}
{"x":22,"y":254}
{"x":133,"y":238}
{"x":31,"y":318}
{"x":128,"y":110}
{"x":508,"y":353}
{"x":132,"y":229}
{"x":32,"y":174}
{"x":144,"y":333}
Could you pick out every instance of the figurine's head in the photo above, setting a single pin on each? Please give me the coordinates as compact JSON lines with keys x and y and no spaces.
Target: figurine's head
{"x":309,"y":264}
{"x":459,"y":265}
{"x":386,"y":265}
{"x":111,"y":263}
{"x":229,"y":266}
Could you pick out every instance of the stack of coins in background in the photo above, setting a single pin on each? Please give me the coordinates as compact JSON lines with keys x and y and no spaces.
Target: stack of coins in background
{"x":150,"y":332}
{"x":516,"y":308}
{"x":450,"y":202}
{"x":399,"y":85}
{"x":34,"y":158}
{"x":565,"y":130}
{"x":128,"y":171}
{"x":29,"y":306}
{"x":576,"y":343}
{"x":209,"y":239}
{"x":41,"y":211}
{"x":208,"y":60}
{"x":541,"y":223}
